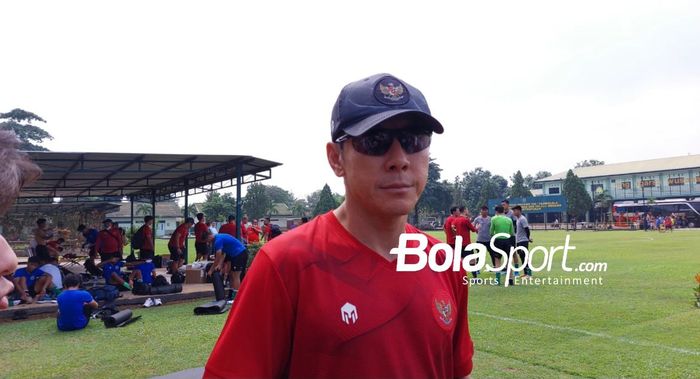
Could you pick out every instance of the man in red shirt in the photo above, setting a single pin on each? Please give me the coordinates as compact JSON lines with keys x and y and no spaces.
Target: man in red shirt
{"x":464,"y":226}
{"x":244,"y":228}
{"x":201,"y":238}
{"x":176,"y":245}
{"x":108,"y":242}
{"x":266,"y":229}
{"x":147,"y":250}
{"x":449,"y":226}
{"x":254,"y":233}
{"x":229,"y":227}
{"x":325,"y":300}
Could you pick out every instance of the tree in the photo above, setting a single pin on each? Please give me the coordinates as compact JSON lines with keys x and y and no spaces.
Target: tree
{"x":279,"y":195}
{"x":20,"y":122}
{"x":437,"y":195}
{"x":326,"y":201}
{"x":144,"y":209}
{"x":579,"y":202}
{"x":530,"y":180}
{"x":300,"y":208}
{"x":257,"y":203}
{"x":479,"y":186}
{"x":602,"y":201}
{"x":589,"y":163}
{"x":218,"y":207}
{"x":518,"y":188}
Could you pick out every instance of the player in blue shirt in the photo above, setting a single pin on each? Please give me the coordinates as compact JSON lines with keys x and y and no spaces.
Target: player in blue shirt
{"x":30,"y":282}
{"x":74,"y":305}
{"x":143,"y":271}
{"x":111,"y":271}
{"x":231,"y":258}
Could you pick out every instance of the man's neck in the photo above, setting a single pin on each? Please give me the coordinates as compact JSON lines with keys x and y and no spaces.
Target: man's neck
{"x":380,"y":234}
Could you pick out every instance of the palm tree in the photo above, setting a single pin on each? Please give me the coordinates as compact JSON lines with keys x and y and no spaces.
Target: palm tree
{"x":602,"y":201}
{"x":143,"y":209}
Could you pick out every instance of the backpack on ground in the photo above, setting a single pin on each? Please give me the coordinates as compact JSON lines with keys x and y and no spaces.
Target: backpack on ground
{"x":105,"y":293}
{"x":177,"y":278}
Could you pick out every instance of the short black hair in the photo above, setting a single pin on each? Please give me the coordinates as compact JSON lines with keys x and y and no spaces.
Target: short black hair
{"x":505,"y":201}
{"x":499,"y":209}
{"x":200,"y":216}
{"x":34,"y":259}
{"x":517,"y":207}
{"x":231,"y":218}
{"x":189,"y":220}
{"x":147,"y":219}
{"x":71,"y":280}
{"x":304,"y":220}
{"x":40,"y":221}
{"x":81,"y":227}
{"x":267,"y":218}
{"x":453,"y":209}
{"x":484,"y":208}
{"x":462,"y":208}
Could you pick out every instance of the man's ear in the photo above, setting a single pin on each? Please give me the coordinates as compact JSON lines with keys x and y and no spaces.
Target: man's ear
{"x":335,"y":158}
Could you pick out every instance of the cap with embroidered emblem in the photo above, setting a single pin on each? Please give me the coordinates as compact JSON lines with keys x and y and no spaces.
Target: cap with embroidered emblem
{"x":365,"y":103}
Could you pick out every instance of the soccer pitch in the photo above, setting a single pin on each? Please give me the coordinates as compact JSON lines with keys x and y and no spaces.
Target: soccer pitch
{"x":639,"y":323}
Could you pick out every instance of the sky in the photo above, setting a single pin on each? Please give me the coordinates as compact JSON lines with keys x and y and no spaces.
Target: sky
{"x":529,"y":86}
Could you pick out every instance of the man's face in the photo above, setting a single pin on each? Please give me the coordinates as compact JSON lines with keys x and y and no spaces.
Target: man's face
{"x":506,"y":207}
{"x":8,"y":265}
{"x":149,"y":222}
{"x":484,"y":212}
{"x":31,"y":266}
{"x":245,"y":220}
{"x":107,"y":225}
{"x":517,"y":212}
{"x":387,"y":185}
{"x":266,"y":221}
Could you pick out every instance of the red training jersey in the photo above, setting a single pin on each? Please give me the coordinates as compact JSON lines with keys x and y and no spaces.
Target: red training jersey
{"x":107,"y":242}
{"x":147,"y":239}
{"x":449,"y":233}
{"x":201,"y":232}
{"x":464,"y":226}
{"x":317,"y":303}
{"x":182,"y":231}
{"x":266,"y":231}
{"x":253,"y":234}
{"x":244,"y":230}
{"x":228,"y":228}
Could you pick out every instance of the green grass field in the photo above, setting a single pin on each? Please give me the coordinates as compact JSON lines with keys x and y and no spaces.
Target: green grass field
{"x":640,"y":323}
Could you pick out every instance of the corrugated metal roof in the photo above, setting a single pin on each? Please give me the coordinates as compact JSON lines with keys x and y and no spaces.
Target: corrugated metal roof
{"x":85,"y":175}
{"x":636,"y":167}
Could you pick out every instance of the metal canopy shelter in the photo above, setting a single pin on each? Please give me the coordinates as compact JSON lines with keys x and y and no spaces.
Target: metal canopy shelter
{"x":54,"y":208}
{"x":85,"y":177}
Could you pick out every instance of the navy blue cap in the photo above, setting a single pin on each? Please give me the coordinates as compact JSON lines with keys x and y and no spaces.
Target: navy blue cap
{"x":365,"y":103}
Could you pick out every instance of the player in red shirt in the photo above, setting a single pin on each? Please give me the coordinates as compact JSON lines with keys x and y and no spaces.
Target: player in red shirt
{"x":254,"y":232}
{"x":108,"y":242}
{"x":176,"y":245}
{"x":229,"y":227}
{"x":449,"y":226}
{"x":244,"y":228}
{"x":325,"y":300}
{"x":266,"y":229}
{"x":463,"y":226}
{"x":201,"y":237}
{"x":147,"y":250}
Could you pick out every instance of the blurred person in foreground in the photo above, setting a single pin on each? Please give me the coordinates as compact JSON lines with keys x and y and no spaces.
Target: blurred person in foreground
{"x":325,"y":300}
{"x":16,"y":170}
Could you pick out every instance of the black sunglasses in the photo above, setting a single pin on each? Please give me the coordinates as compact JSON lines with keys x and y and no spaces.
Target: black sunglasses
{"x":378,"y":141}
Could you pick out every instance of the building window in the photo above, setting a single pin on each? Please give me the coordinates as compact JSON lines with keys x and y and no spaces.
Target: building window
{"x":553,"y":190}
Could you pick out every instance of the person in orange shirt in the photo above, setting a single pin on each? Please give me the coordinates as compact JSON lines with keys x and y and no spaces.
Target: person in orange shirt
{"x":254,"y":231}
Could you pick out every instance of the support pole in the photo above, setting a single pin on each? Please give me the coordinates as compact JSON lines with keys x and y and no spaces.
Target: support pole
{"x":153,"y":213}
{"x":131,"y":200}
{"x":239,"y":180}
{"x":187,"y":205}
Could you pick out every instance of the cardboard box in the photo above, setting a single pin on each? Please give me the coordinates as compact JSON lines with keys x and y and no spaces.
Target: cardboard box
{"x":194,"y":276}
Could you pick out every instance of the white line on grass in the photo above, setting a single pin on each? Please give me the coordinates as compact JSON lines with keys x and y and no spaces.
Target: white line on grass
{"x":592,"y":334}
